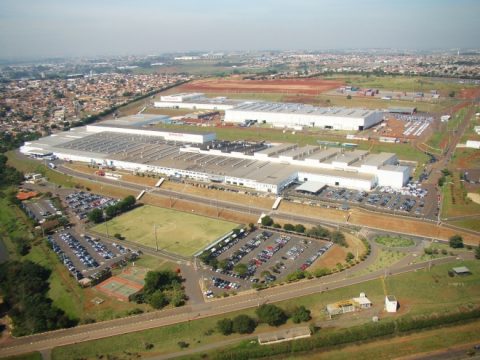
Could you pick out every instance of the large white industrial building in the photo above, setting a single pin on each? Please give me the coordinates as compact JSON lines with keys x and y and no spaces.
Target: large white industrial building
{"x":133,"y":144}
{"x":277,"y":114}
{"x":292,"y":115}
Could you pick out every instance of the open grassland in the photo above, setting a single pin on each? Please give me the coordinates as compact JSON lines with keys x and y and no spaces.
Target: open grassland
{"x":441,"y":137}
{"x":402,"y":83}
{"x":178,"y":232}
{"x":30,"y":356}
{"x":409,"y":345}
{"x":455,"y":200}
{"x":417,"y":292}
{"x":27,"y":165}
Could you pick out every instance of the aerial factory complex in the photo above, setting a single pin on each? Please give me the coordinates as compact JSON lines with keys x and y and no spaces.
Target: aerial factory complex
{"x":133,"y":143}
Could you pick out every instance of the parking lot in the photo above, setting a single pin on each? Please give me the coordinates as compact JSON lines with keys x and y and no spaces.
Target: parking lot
{"x":84,"y":255}
{"x":267,"y":255}
{"x":41,"y":209}
{"x":409,"y":201}
{"x":81,"y":202}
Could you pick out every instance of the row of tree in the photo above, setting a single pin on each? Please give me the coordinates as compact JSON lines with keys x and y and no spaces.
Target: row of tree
{"x":8,"y":175}
{"x":161,"y":289}
{"x":317,"y":231}
{"x":266,"y":314}
{"x":96,"y":215}
{"x":345,"y":336}
{"x":24,"y":286}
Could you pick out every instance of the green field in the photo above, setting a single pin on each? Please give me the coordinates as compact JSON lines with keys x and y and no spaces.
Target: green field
{"x":417,"y":292}
{"x":177,"y":232}
{"x":394,"y":241}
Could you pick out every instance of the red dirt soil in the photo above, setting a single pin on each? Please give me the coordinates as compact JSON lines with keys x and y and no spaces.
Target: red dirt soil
{"x":303,"y":86}
{"x":471,"y":93}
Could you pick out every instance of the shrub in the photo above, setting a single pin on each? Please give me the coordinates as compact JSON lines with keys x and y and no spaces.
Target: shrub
{"x":225,"y":326}
{"x":243,"y":324}
{"x":455,"y":241}
{"x":301,"y":314}
{"x":271,"y":315}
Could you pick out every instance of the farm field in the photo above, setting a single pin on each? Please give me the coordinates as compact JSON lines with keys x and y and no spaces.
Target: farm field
{"x":417,"y":292}
{"x":177,"y":232}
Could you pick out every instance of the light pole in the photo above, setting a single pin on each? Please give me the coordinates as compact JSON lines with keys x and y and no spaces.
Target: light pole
{"x":106,"y":222}
{"x":155,"y":234}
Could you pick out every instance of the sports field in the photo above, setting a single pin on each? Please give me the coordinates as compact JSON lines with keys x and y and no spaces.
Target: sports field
{"x":177,"y":232}
{"x":129,"y":282}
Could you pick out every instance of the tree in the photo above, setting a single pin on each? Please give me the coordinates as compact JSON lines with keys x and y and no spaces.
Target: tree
{"x":223,"y":264}
{"x":267,"y":221}
{"x":243,"y":324}
{"x":251,"y":226}
{"x":289,"y":227}
{"x":95,"y":216}
{"x":318,"y":231}
{"x":477,"y":252}
{"x":349,"y":257}
{"x":271,"y":315}
{"x":225,"y":326}
{"x":241,"y":269}
{"x":111,"y":211}
{"x":455,"y":241}
{"x":349,"y":97}
{"x":157,"y":300}
{"x":338,"y":238}
{"x":299,"y":228}
{"x":301,"y":314}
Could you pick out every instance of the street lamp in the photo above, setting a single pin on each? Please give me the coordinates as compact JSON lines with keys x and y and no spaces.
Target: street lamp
{"x":106,"y":222}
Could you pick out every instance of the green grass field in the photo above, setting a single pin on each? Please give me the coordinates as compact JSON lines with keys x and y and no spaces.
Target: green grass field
{"x":417,"y":292}
{"x":177,"y":232}
{"x":394,"y":241}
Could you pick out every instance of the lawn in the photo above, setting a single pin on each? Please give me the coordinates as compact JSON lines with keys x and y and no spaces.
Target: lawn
{"x":385,"y":259}
{"x":25,"y":164}
{"x":417,"y":293}
{"x":30,"y":356}
{"x":178,"y":232}
{"x":408,"y":345}
{"x":394,"y":241}
{"x":455,"y":201}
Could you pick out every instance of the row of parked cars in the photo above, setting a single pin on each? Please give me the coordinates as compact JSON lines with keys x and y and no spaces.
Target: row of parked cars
{"x":251,"y":245}
{"x":227,"y":243}
{"x":314,"y":257}
{"x":82,"y":202}
{"x":79,"y":250}
{"x":224,"y":284}
{"x":100,"y":248}
{"x":64,"y":258}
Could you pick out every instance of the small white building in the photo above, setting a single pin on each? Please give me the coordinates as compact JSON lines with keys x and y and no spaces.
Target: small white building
{"x":362,"y":301}
{"x":473,"y":144}
{"x":391,"y":304}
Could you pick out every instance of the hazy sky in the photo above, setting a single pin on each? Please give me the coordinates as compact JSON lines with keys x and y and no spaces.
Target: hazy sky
{"x":39,"y":28}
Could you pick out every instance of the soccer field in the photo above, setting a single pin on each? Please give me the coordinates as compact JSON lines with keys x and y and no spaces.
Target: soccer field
{"x":177,"y":232}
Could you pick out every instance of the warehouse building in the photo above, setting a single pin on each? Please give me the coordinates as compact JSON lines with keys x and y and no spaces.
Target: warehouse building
{"x":132,"y":144}
{"x":301,"y":115}
{"x":195,"y":101}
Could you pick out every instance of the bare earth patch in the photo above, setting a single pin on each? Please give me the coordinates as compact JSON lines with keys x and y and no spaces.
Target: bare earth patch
{"x":474,"y":197}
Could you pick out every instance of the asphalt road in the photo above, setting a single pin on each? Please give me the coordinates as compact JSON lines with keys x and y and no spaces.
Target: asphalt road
{"x":155,"y":319}
{"x":247,"y":209}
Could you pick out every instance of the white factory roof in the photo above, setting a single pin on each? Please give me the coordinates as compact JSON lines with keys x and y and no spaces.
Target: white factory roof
{"x":311,"y":186}
{"x":294,"y":108}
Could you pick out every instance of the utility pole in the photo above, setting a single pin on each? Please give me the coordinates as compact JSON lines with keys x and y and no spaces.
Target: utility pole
{"x":155,"y":233}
